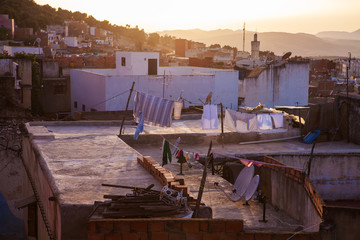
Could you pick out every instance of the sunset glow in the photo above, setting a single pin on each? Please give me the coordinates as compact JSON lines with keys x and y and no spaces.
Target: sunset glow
{"x":278,"y":15}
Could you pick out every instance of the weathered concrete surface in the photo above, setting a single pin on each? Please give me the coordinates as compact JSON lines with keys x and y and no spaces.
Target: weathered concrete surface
{"x":71,"y":166}
{"x":80,"y":161}
{"x":213,"y":196}
{"x":77,"y":159}
{"x":336,"y":176}
{"x":345,"y":221}
{"x":349,"y":109}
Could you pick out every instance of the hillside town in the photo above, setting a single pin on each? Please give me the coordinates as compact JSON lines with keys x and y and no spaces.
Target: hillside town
{"x":107,"y":136}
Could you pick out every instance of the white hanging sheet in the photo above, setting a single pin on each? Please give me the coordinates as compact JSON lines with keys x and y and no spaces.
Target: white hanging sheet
{"x":264,"y":121}
{"x":209,"y":119}
{"x":278,"y":119}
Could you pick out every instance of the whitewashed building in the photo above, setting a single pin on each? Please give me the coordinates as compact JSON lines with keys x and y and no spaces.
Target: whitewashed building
{"x":107,"y":89}
{"x":71,"y":41}
{"x":12,"y":50}
{"x":278,"y":84}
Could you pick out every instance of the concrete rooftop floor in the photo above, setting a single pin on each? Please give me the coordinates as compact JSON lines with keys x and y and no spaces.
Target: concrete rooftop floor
{"x":81,"y":158}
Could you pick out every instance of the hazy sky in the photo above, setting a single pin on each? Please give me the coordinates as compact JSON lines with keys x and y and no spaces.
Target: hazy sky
{"x":308,"y":16}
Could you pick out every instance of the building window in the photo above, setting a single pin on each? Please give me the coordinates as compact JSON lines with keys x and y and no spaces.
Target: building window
{"x":75,"y":104}
{"x":83,"y":108}
{"x":123,"y":61}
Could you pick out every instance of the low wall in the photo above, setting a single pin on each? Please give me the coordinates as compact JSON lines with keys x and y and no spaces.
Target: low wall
{"x":291,"y":191}
{"x":346,"y":221}
{"x":349,"y":120}
{"x":39,"y":178}
{"x":336,"y":176}
{"x":182,"y":229}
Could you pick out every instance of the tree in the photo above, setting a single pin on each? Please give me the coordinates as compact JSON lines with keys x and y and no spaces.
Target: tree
{"x":215,"y":45}
{"x":78,"y":16}
{"x":154,"y":39}
{"x":227,"y":47}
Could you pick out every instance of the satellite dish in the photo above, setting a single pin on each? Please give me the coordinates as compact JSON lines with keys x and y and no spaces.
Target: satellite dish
{"x":286,"y":56}
{"x":252,"y":187}
{"x":242,"y":182}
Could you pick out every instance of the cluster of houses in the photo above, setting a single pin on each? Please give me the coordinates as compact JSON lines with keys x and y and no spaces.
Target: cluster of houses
{"x":235,"y":78}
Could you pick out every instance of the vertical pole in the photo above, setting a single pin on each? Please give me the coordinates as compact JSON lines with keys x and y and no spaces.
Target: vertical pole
{"x":202,"y":184}
{"x":212,"y":166}
{"x":222,"y":124}
{"x":347,"y":100}
{"x":181,"y":167}
{"x":164,"y":85}
{"x":127,"y":105}
{"x":300,"y":122}
{"x":264,"y":209}
{"x":310,"y":159}
{"x":222,"y":116}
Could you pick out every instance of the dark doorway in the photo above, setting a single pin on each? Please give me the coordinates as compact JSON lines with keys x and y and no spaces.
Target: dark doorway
{"x":152,"y":66}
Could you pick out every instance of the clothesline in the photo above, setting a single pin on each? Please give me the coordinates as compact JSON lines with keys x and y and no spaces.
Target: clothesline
{"x":258,"y":163}
{"x":244,"y":161}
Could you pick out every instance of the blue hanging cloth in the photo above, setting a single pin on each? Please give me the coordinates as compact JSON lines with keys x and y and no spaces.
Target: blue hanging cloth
{"x":140,"y":127}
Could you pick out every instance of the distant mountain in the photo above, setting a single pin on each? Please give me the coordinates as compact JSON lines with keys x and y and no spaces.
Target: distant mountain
{"x":340,"y":35}
{"x":299,"y":44}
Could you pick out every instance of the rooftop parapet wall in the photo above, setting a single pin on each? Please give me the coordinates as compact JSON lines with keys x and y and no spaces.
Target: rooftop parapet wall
{"x":291,"y":191}
{"x":185,"y":229}
{"x":336,"y":176}
{"x":349,"y":121}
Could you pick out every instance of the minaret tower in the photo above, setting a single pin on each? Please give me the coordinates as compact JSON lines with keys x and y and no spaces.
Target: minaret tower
{"x":255,"y":47}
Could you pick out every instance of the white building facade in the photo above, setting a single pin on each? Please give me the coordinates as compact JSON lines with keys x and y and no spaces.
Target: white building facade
{"x":71,"y":41}
{"x":107,"y":89}
{"x":12,"y":50}
{"x":285,"y":84}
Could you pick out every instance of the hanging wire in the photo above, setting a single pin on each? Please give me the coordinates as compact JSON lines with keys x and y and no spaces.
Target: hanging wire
{"x":110,"y":98}
{"x":303,"y":230}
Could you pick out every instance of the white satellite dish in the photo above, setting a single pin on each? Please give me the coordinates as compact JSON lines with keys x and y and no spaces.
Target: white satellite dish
{"x":252,"y":187}
{"x":242,"y":182}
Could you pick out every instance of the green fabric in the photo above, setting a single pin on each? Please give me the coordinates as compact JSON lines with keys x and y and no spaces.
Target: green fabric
{"x":166,"y":153}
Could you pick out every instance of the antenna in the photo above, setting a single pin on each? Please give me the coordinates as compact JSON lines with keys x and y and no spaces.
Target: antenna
{"x":244,"y":38}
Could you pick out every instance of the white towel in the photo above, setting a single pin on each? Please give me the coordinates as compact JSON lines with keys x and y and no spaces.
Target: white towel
{"x":209,"y":119}
{"x":241,"y":126}
{"x":278,"y":119}
{"x":253,"y":124}
{"x":264,"y":121}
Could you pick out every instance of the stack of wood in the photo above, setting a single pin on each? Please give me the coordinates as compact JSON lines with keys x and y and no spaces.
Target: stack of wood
{"x":142,"y":203}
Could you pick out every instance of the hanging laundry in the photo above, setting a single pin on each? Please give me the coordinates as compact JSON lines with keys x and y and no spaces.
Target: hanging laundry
{"x":166,"y":153}
{"x":181,"y":158}
{"x":253,"y":124}
{"x":140,"y":127}
{"x":175,"y":146}
{"x":278,"y":119}
{"x":264,"y":121}
{"x":157,"y":111}
{"x":209,"y":119}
